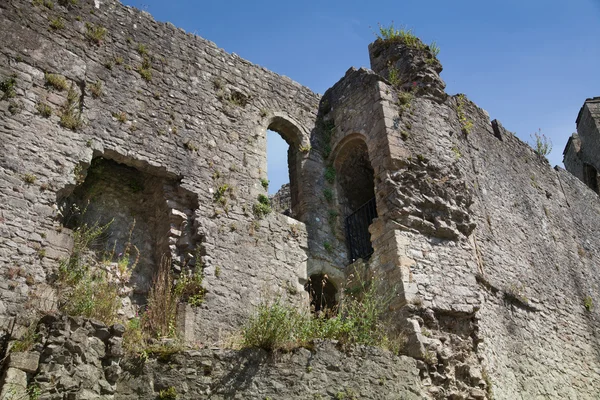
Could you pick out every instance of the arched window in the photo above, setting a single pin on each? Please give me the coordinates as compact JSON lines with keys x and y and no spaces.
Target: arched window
{"x":293,"y":137}
{"x":355,"y":178}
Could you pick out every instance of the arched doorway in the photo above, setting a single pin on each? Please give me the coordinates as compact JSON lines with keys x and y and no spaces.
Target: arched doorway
{"x":355,"y":177}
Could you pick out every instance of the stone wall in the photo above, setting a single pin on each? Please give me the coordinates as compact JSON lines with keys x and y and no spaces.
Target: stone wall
{"x":163,"y":103}
{"x":487,"y":253}
{"x":77,"y":358}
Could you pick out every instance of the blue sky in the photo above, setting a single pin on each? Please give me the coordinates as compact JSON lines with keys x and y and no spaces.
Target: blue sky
{"x":529,"y":63}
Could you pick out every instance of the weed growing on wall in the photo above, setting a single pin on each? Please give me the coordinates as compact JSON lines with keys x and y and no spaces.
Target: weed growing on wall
{"x":96,"y":34}
{"x":7,"y":86}
{"x":465,"y":124}
{"x":70,"y":116}
{"x":160,"y":315}
{"x":56,"y":81}
{"x":588,"y":303}
{"x":541,"y":144}
{"x":330,"y":174}
{"x":406,"y":37}
{"x":358,"y":320}
{"x":28,"y":339}
{"x":263,"y":207}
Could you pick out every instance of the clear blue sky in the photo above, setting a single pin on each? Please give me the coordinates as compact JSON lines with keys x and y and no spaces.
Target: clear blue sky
{"x":529,"y":63}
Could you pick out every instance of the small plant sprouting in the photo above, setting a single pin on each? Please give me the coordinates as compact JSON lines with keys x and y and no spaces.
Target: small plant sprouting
{"x":465,"y":124}
{"x":405,"y":99}
{"x":145,"y":69}
{"x":169,"y":393}
{"x":191,"y":146}
{"x":330,"y":174}
{"x":56,"y":81}
{"x":542,"y":145}
{"x":328,"y":247}
{"x":29,"y":178}
{"x":588,"y":303}
{"x":263,"y":207}
{"x":95,"y":33}
{"x":394,"y":76}
{"x":435,"y":49}
{"x":265,"y":183}
{"x":8,"y":87}
{"x":328,"y":194}
{"x":57,"y":24}
{"x":305,"y":149}
{"x":141,"y":49}
{"x":70,"y":116}
{"x":120,"y":116}
{"x":220,"y":195}
{"x":456,"y":152}
{"x":406,"y":37}
{"x":44,"y":109}
{"x":96,"y":89}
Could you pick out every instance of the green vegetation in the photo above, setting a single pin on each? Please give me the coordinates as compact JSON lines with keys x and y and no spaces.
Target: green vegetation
{"x":29,"y":178}
{"x":84,"y":290}
{"x":330,"y":174}
{"x":406,"y":37}
{"x":95,"y":33}
{"x":56,"y":81}
{"x":189,"y":288}
{"x":588,"y":303}
{"x":33,"y":391}
{"x":263,"y":207}
{"x":394,"y":76}
{"x":265,"y":183}
{"x":7,"y":86}
{"x":27,"y":340}
{"x":328,"y":195}
{"x":465,"y":124}
{"x":15,"y":107}
{"x":456,"y":152}
{"x":542,"y":145}
{"x":305,"y":149}
{"x":145,"y":69}
{"x":141,"y":49}
{"x":327,"y":246}
{"x":44,"y":109}
{"x":57,"y":23}
{"x":221,"y":193}
{"x":358,"y":320}
{"x":120,"y":116}
{"x":191,"y":146}
{"x":169,"y":393}
{"x":70,"y":116}
{"x":96,"y":89}
{"x":405,"y":99}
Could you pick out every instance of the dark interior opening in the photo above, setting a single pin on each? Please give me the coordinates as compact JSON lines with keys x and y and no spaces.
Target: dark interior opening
{"x":322,"y":294}
{"x":144,"y":214}
{"x":355,"y":177}
{"x":590,"y":177}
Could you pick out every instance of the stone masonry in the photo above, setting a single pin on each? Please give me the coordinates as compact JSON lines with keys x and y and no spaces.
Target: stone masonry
{"x":488,"y":253}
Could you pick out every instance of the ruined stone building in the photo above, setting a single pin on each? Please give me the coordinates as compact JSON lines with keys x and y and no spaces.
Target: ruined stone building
{"x":157,"y":138}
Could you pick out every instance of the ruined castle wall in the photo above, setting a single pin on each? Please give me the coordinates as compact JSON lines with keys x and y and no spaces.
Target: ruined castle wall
{"x":535,"y":247}
{"x":200,"y":119}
